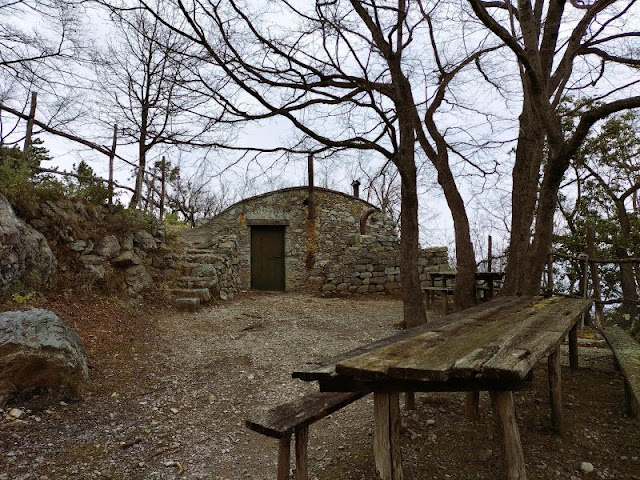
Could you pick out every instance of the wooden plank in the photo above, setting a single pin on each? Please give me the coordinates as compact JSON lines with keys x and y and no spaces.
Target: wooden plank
{"x":627,"y":354}
{"x":452,"y":322}
{"x":508,"y":435}
{"x":302,"y":457}
{"x":555,"y":391}
{"x":283,"y":420}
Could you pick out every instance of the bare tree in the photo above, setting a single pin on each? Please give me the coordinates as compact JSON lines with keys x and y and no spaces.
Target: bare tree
{"x":558,"y":47}
{"x":145,"y":77}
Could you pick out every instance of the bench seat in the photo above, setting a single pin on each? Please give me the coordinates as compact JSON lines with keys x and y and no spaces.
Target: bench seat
{"x":627,"y":353}
{"x":295,"y":417}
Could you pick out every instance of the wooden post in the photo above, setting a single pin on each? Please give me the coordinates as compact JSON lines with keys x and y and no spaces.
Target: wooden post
{"x":284,"y":457}
{"x":163,"y":179}
{"x":386,"y":441}
{"x":32,"y":116}
{"x":595,"y":275}
{"x":555,"y":391}
{"x":445,"y":297}
{"x":550,"y":274}
{"x":490,"y":254}
{"x":631,"y":406}
{"x":509,"y":436}
{"x":573,"y":347}
{"x":472,"y":406}
{"x":112,"y":156}
{"x":409,"y":401}
{"x":302,"y":439}
{"x":311,"y":201}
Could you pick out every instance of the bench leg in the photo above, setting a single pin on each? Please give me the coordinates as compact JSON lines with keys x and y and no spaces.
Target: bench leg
{"x":631,"y":406}
{"x":472,"y":405}
{"x":555,"y":391}
{"x":505,"y":418}
{"x":284,"y":457}
{"x":573,"y":347}
{"x":427,"y":299}
{"x":409,"y":400}
{"x":302,"y":459}
{"x":386,"y":441}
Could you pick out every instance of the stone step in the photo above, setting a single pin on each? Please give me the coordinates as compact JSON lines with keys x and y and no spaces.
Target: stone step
{"x":195,"y":282}
{"x":203,"y":258}
{"x":202,"y":294}
{"x":188,"y":303}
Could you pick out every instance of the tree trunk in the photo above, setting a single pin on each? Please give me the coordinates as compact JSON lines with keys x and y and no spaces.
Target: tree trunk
{"x":414,"y":309}
{"x":465,"y":289}
{"x":526,"y":171}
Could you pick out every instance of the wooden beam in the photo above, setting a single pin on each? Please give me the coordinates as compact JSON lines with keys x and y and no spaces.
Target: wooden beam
{"x":555,"y":391}
{"x":508,"y":435}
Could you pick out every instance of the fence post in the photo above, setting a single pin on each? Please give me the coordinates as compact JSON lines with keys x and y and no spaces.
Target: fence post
{"x":163,"y":179}
{"x":32,"y":116}
{"x":584,"y":258}
{"x":112,"y":156}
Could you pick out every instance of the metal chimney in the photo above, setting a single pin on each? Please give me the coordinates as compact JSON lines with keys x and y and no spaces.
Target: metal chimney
{"x":356,"y":188}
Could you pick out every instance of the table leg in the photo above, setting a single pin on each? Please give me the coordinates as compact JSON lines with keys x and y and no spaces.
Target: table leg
{"x":472,"y":405}
{"x":284,"y":457}
{"x":555,"y":390}
{"x":387,"y":436}
{"x":573,"y":347}
{"x":505,"y":418}
{"x":302,"y":458}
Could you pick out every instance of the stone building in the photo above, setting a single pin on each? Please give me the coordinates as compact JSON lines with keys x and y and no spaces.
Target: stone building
{"x":280,"y":246}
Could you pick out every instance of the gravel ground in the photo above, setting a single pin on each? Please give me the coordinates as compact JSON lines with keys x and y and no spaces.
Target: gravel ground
{"x":171,"y":390}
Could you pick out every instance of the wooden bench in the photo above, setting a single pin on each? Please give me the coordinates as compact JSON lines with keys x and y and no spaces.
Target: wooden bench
{"x":294,"y":418}
{"x":429,"y":295}
{"x":627,"y":354}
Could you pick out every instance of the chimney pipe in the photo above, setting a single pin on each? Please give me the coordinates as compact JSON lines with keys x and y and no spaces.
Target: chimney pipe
{"x":356,"y":188}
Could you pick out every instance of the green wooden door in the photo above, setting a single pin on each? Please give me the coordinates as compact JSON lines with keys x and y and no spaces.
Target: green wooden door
{"x":267,"y":257}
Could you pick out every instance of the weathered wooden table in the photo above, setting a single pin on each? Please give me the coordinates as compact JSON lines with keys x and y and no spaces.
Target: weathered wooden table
{"x":491,"y":347}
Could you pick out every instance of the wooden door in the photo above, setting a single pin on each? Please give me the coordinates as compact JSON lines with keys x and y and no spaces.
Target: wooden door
{"x":267,"y":257}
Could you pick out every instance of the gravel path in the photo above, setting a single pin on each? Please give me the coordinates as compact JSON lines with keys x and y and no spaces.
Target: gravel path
{"x":171,"y":392}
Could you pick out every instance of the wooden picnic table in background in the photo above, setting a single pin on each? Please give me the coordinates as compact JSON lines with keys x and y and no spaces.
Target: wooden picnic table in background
{"x":486,"y":284}
{"x":491,"y":347}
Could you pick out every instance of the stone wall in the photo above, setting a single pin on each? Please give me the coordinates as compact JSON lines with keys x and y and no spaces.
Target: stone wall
{"x":327,"y":253}
{"x":370,"y":267}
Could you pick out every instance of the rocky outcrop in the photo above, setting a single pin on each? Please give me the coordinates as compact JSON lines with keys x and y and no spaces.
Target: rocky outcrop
{"x":25,"y":256}
{"x":37,"y":349}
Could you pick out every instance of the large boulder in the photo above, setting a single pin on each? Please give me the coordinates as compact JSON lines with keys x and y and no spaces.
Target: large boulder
{"x":25,"y":256}
{"x":37,"y":349}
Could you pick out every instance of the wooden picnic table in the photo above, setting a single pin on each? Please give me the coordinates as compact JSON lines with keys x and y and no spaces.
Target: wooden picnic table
{"x":447,"y":278}
{"x":490,"y":347}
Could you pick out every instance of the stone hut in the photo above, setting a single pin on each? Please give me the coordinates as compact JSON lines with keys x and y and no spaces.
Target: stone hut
{"x":280,"y":247}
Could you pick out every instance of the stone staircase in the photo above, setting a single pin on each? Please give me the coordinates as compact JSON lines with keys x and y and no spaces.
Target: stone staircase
{"x":208,"y":273}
